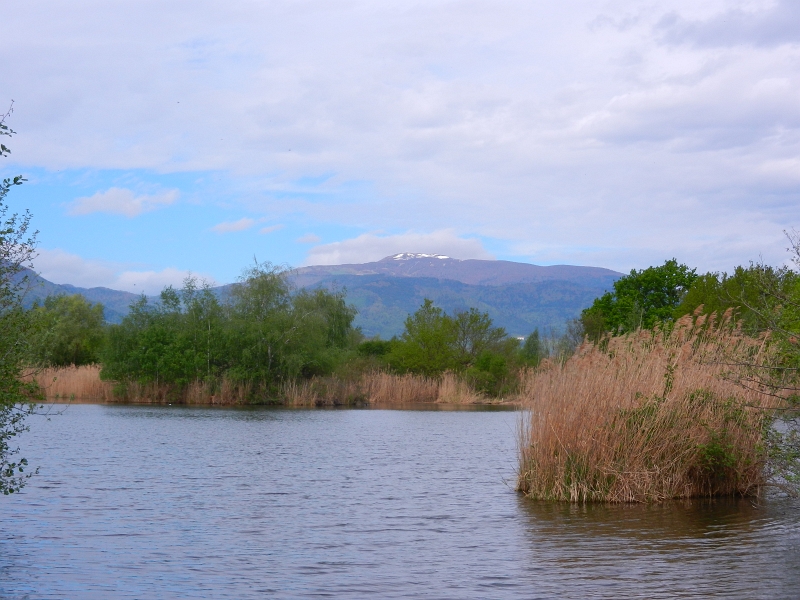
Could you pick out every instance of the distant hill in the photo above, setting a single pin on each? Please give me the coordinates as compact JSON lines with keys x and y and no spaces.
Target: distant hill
{"x":474,"y":272}
{"x":384,"y":302}
{"x":518,"y":296}
{"x":115,"y":303}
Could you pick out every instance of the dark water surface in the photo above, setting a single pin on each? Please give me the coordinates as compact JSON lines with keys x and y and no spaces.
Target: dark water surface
{"x":144,"y":502}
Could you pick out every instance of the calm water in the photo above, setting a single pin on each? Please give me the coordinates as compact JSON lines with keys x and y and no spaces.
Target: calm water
{"x":141,"y":502}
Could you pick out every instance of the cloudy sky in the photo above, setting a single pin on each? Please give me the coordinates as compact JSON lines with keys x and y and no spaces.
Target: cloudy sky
{"x":160,"y":138}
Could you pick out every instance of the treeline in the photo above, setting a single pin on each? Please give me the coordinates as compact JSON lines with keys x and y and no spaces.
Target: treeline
{"x":760,"y":297}
{"x":465,"y":343}
{"x":264,"y":335}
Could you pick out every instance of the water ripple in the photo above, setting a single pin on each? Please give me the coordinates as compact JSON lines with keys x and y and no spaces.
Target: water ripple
{"x":156,"y":502}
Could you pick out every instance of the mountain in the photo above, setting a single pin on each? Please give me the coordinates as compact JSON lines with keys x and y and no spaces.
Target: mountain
{"x":384,"y":302}
{"x":518,"y":296}
{"x":474,"y":272}
{"x":115,"y":303}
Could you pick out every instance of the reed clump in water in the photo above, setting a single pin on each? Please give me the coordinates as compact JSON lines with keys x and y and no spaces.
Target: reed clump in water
{"x":645,"y":417}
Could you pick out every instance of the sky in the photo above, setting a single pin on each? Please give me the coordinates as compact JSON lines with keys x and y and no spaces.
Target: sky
{"x":166,"y":138}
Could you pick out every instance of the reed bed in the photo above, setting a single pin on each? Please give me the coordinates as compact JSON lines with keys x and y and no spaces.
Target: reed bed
{"x":454,"y":390}
{"x":386,"y":388}
{"x":645,"y":417}
{"x":73,"y":383}
{"x":84,"y":384}
{"x":381,"y":388}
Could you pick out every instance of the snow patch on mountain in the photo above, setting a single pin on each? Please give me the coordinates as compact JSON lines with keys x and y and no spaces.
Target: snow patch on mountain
{"x":413,"y":255}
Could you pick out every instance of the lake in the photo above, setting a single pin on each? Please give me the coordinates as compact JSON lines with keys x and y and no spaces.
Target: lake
{"x":176,"y":502}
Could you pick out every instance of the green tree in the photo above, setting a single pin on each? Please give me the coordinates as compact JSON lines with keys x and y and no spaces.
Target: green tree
{"x":69,"y":330}
{"x":427,"y":345}
{"x":17,"y":249}
{"x":743,"y":290}
{"x":533,"y":350}
{"x":434,"y":342}
{"x":475,"y":335}
{"x":768,"y":301}
{"x":640,"y":299}
{"x":264,"y":334}
{"x":175,"y":341}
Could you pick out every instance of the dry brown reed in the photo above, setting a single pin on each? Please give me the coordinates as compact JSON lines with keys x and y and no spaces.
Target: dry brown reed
{"x":454,"y":390}
{"x":222,"y":393}
{"x":379,"y":388}
{"x":645,"y":417}
{"x":84,"y":384}
{"x":73,"y":383}
{"x":386,"y":388}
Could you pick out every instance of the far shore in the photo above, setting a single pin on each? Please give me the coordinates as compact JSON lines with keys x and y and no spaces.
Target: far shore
{"x":82,"y":385}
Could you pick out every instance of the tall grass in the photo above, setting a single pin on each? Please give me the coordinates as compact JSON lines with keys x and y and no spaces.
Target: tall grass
{"x":375,"y":387}
{"x":645,"y":417}
{"x":73,"y":383}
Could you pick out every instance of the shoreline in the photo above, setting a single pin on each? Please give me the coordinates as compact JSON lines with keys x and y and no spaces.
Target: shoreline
{"x":511,"y":405}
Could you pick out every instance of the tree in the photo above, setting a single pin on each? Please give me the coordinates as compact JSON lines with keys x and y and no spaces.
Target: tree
{"x":746,"y":287}
{"x":17,"y":249}
{"x":68,"y":331}
{"x":467,"y":342}
{"x":533,"y":349}
{"x":475,"y":335}
{"x":640,"y":299}
{"x":175,"y":341}
{"x":770,"y":304}
{"x":428,"y":342}
{"x":263,"y":335}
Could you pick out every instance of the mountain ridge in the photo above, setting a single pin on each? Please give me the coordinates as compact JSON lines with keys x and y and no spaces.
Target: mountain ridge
{"x":518,"y":296}
{"x":471,"y":271}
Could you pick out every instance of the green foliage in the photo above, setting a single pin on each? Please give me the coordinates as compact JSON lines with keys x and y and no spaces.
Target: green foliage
{"x":68,"y":330}
{"x":17,"y":248}
{"x":475,"y":336}
{"x":490,"y":374}
{"x":264,"y":334}
{"x":466,"y":342}
{"x":748,"y":290}
{"x":175,"y":341}
{"x":533,"y":350}
{"x":376,"y":347}
{"x":640,"y":299}
{"x":428,"y":344}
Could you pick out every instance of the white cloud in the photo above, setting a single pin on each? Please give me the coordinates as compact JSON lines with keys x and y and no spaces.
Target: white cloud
{"x":121,"y":201}
{"x":573,"y":131}
{"x":232,"y":226}
{"x":152,"y":282}
{"x":62,"y":267}
{"x":309,"y":238}
{"x":270,"y":229}
{"x":370,"y":247}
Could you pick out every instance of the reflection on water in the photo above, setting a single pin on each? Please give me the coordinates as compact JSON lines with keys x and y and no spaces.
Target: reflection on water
{"x":152,"y":502}
{"x":725,"y":548}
